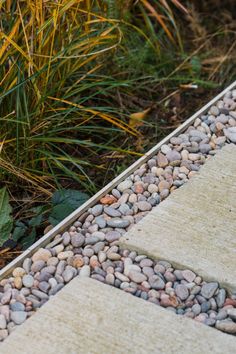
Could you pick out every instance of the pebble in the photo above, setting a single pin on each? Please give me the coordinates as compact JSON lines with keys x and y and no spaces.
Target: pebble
{"x":126,"y":184}
{"x":144,"y":206}
{"x":41,"y":255}
{"x":27,"y":264}
{"x":97,"y":210}
{"x":112,"y":236}
{"x":182,"y":291}
{"x":165,"y":149}
{"x":18,"y":272}
{"x":64,"y":255}
{"x":77,"y":240}
{"x":28,"y":281}
{"x":173,"y":155}
{"x":117,"y":222}
{"x":162,"y":161}
{"x":188,"y":275}
{"x":232,"y":313}
{"x":220,"y":297}
{"x":37,"y":266}
{"x":209,"y":289}
{"x":137,"y":277}
{"x":230,"y":133}
{"x":18,"y":317}
{"x":112,"y":212}
{"x":17,"y":306}
{"x":18,"y":282}
{"x":68,"y":274}
{"x":41,"y":295}
{"x":226,"y":326}
{"x":156,"y":282}
{"x":85,"y":271}
{"x":196,"y":309}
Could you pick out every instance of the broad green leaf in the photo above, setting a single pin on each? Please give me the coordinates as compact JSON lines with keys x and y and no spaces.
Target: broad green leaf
{"x":6,"y":221}
{"x":64,"y":203}
{"x":69,"y":196}
{"x":36,"y":220}
{"x":29,"y":240}
{"x":19,"y":232}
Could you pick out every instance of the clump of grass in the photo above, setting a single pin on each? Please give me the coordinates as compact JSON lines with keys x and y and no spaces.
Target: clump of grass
{"x":56,"y":111}
{"x":71,"y":73}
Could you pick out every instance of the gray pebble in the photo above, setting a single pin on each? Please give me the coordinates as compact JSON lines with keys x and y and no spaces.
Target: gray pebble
{"x":28,"y":281}
{"x":97,"y":210}
{"x":182,"y":291}
{"x":68,"y":274}
{"x":112,"y":236}
{"x":156,"y":282}
{"x":41,"y":295}
{"x":18,"y":317}
{"x":112,"y":212}
{"x":17,"y":306}
{"x":27,"y":264}
{"x":85,"y":271}
{"x":37,"y":266}
{"x":220,"y":298}
{"x":209,"y":289}
{"x":117,"y":222}
{"x":144,"y":206}
{"x":126,"y":184}
{"x":77,"y":240}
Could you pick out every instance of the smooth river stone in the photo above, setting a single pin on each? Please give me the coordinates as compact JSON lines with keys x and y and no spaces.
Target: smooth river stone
{"x":173,"y":155}
{"x":17,"y":306}
{"x":144,"y":206}
{"x":37,"y":266}
{"x":112,"y":236}
{"x":18,"y":272}
{"x":28,"y":281}
{"x":97,"y":210}
{"x":18,"y":317}
{"x":137,"y":277}
{"x":77,"y":240}
{"x":209,"y":289}
{"x":117,"y":222}
{"x":230,"y":133}
{"x":188,"y":275}
{"x":112,"y":212}
{"x":126,"y":184}
{"x":162,"y":160}
{"x":182,"y":291}
{"x":41,"y":255}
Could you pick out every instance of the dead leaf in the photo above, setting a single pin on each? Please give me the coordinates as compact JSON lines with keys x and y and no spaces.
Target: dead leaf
{"x":136,"y":119}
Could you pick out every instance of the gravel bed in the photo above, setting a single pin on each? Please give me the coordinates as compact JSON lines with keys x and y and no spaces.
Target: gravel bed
{"x":90,"y":246}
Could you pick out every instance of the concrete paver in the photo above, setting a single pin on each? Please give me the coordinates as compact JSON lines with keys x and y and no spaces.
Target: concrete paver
{"x":90,"y":317}
{"x":195,"y":227}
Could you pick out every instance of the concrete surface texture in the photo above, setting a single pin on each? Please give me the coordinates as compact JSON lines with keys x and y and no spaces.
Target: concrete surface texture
{"x":195,"y":226}
{"x":90,"y":317}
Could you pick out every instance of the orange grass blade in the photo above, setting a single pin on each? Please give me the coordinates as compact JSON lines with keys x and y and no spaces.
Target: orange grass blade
{"x":158,"y":17}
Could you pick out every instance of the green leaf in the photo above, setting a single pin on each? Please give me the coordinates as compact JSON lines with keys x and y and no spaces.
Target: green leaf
{"x":64,"y":202}
{"x":6,"y":221}
{"x":19,"y":232}
{"x":36,"y":220}
{"x":69,"y":196}
{"x":29,"y":240}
